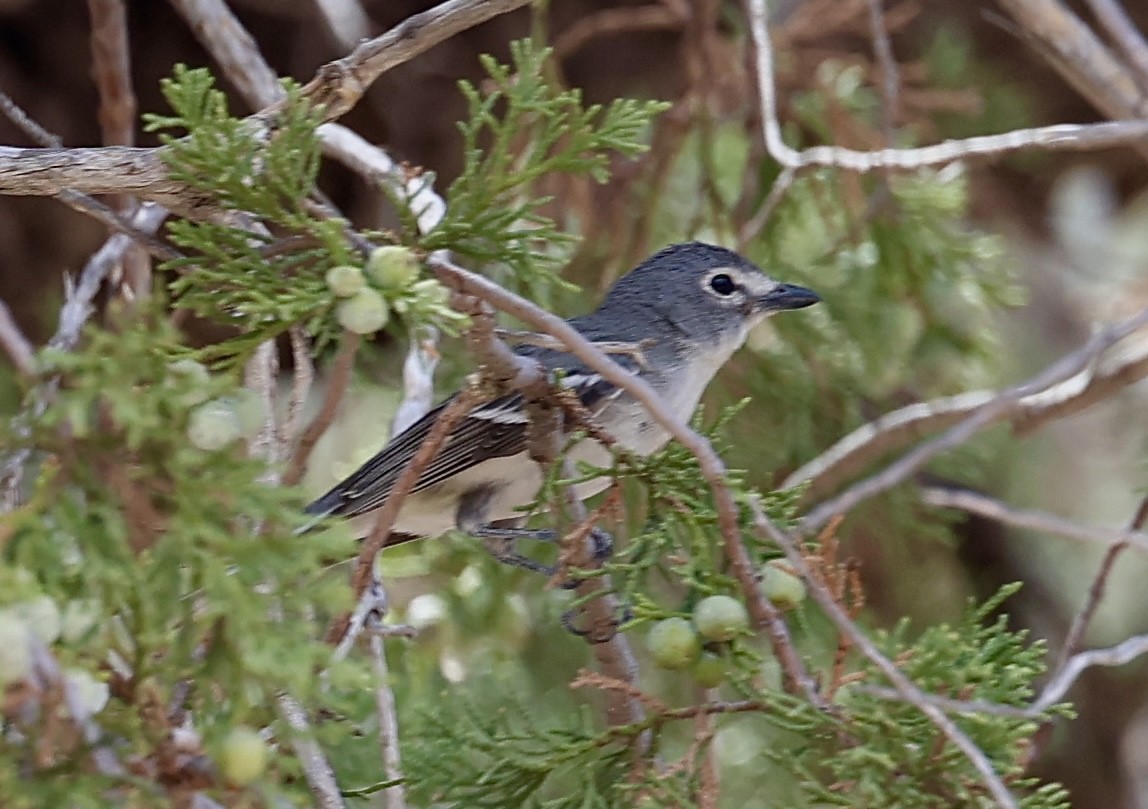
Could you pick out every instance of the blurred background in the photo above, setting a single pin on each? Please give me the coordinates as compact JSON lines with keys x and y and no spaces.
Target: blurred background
{"x":1048,"y":244}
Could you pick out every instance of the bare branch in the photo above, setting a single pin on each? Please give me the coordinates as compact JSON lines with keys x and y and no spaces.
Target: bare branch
{"x":1069,"y":137}
{"x":996,"y":408}
{"x":394,"y":797}
{"x":905,"y":686}
{"x":1032,"y":520}
{"x":339,"y":85}
{"x":1118,"y":655}
{"x":418,"y":378}
{"x":890,"y":80}
{"x":1112,"y":371}
{"x":1078,"y":55}
{"x":317,"y":770}
{"x":111,"y":68}
{"x":346,"y":19}
{"x":1075,"y":637}
{"x":15,"y":344}
{"x":234,"y":50}
{"x":1124,"y":33}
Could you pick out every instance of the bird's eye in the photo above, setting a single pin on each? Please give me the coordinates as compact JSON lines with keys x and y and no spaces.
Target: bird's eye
{"x":722,"y":284}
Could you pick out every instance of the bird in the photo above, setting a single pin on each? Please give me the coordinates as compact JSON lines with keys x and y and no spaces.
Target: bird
{"x":689,"y":307}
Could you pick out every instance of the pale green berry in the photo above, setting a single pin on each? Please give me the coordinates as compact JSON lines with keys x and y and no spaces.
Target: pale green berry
{"x":243,"y":756}
{"x":213,"y":425}
{"x":345,"y":281}
{"x":673,"y":644}
{"x":709,"y":671}
{"x":15,"y":653}
{"x":780,"y":586}
{"x":194,"y":376}
{"x":393,"y":267}
{"x":720,"y":618}
{"x":41,"y":616}
{"x":92,"y":693}
{"x":365,"y":313}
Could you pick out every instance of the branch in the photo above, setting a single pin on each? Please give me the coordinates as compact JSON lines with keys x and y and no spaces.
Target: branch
{"x":1124,"y":33}
{"x":15,"y":344}
{"x":1118,"y":655}
{"x":765,"y":615}
{"x":1078,"y":55}
{"x":1033,"y":520}
{"x":1068,"y":137}
{"x":316,"y":769}
{"x":996,"y":408}
{"x":1112,"y":371}
{"x":1075,"y":637}
{"x":339,"y":85}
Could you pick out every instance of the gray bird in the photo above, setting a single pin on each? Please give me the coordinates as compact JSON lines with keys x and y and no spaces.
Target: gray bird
{"x":690,"y":306}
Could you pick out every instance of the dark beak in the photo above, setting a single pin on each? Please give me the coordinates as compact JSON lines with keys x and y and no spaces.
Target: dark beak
{"x":787,"y":296}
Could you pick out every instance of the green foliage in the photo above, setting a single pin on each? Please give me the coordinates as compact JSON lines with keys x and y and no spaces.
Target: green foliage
{"x":499,"y":754}
{"x":259,"y":262}
{"x":887,"y":753}
{"x":180,"y":563}
{"x":519,"y":129}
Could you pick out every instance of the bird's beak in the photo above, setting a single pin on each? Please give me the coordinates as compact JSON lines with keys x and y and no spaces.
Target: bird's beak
{"x":786,"y":296}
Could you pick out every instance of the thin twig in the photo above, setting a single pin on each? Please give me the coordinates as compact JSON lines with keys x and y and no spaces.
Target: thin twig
{"x":467,"y":399}
{"x":332,"y":399}
{"x":998,"y":407}
{"x":302,"y":378}
{"x":15,"y":344}
{"x":316,"y":769}
{"x":1032,"y":520}
{"x":1112,"y":371}
{"x":1069,"y":137}
{"x":1124,"y":33}
{"x":394,"y":797}
{"x":766,"y":530}
{"x":890,"y":80}
{"x":763,"y":612}
{"x":1075,"y":637}
{"x":1118,"y":655}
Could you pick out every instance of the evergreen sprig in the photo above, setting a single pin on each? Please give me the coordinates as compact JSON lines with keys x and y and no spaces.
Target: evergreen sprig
{"x":520,"y":128}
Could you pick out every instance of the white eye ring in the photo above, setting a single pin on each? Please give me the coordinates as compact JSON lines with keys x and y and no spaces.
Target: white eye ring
{"x":723,"y":284}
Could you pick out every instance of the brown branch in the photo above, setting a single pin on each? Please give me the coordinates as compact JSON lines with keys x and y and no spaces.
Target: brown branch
{"x":467,"y":399}
{"x":336,"y":388}
{"x":111,"y":69}
{"x":764,"y":614}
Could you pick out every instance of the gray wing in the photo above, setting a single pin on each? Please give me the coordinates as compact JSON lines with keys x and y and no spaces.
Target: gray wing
{"x":493,"y":430}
